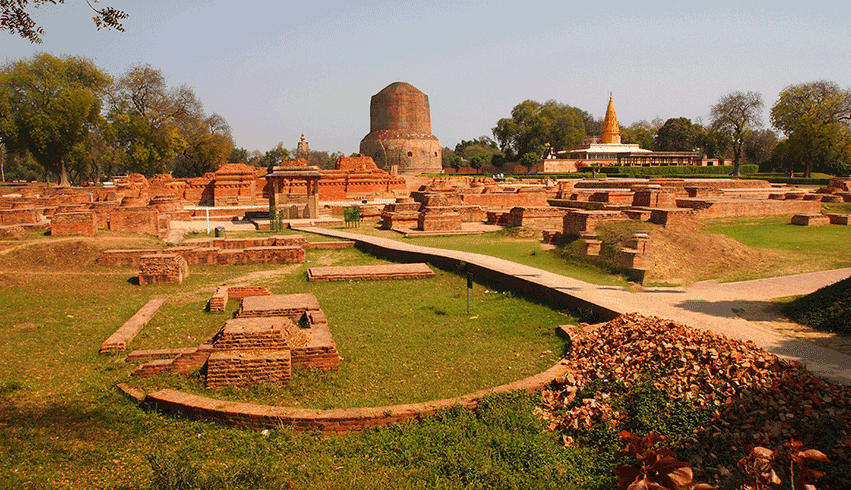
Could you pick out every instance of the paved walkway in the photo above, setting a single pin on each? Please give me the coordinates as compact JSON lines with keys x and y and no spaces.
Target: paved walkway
{"x":706,"y":305}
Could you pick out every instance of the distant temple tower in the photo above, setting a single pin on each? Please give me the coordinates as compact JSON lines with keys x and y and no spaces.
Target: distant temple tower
{"x":303,"y":148}
{"x":611,"y":130}
{"x":400,"y":131}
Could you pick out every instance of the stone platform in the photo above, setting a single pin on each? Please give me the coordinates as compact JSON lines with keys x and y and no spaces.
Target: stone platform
{"x":370,"y":272}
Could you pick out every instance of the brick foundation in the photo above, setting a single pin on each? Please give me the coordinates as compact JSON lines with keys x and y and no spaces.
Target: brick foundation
{"x":118,"y":341}
{"x":162,"y":268}
{"x":370,"y":272}
{"x":336,"y":421}
{"x":76,"y":223}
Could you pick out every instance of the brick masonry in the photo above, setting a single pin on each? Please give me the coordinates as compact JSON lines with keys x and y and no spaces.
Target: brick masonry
{"x":118,"y":341}
{"x":370,"y":272}
{"x":75,"y":223}
{"x":162,"y":268}
{"x":335,"y":421}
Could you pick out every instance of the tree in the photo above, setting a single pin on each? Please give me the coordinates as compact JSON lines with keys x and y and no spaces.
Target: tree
{"x":238,"y":155}
{"x":642,"y":133}
{"x":529,"y":159}
{"x":276,"y":155}
{"x":677,"y":134}
{"x":15,"y":18}
{"x":714,"y":143}
{"x":153,"y":123}
{"x":533,"y":124}
{"x":457,"y":162}
{"x":209,"y":144}
{"x":815,"y":118}
{"x":48,"y":105}
{"x":737,"y":115}
{"x":759,"y":146}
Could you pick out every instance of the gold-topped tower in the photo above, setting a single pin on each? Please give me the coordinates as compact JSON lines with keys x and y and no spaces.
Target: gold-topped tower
{"x":611,"y":130}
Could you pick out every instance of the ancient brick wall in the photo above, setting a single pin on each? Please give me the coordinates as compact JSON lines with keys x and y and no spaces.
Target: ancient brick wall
{"x":545,"y":217}
{"x":241,"y":368}
{"x":78,"y":223}
{"x":336,"y":421}
{"x":20,"y":216}
{"x":162,"y":268}
{"x":135,"y":219}
{"x":578,"y":222}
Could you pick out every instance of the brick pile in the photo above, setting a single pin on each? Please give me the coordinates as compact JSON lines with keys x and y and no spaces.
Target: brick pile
{"x":757,"y":399}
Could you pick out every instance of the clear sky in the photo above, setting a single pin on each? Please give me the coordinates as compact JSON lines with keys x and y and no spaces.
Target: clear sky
{"x":275,"y":69}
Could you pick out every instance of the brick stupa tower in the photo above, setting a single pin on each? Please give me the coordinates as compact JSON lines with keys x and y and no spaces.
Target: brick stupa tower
{"x":400,"y":131}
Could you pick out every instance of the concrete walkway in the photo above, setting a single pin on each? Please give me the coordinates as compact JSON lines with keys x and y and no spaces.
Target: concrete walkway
{"x":706,"y":305}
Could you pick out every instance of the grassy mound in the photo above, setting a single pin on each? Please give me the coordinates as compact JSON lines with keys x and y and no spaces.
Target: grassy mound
{"x":829,"y":308}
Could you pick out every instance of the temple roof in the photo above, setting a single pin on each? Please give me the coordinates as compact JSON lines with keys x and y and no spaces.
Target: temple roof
{"x":611,"y":130}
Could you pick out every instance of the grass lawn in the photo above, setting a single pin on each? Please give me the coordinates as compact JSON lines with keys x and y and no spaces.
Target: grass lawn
{"x":812,"y":248}
{"x":505,"y":245}
{"x":63,"y":425}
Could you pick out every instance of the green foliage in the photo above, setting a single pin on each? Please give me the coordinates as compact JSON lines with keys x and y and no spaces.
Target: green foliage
{"x":533,"y":124}
{"x":717,"y":170}
{"x":829,"y":308}
{"x":456,"y":162}
{"x":499,"y":445}
{"x":815,"y":118}
{"x":529,"y":159}
{"x":15,"y":18}
{"x":677,"y":134}
{"x":48,"y":105}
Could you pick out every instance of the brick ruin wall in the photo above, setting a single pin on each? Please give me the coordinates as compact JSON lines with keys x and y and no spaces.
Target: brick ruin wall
{"x":335,"y":421}
{"x":242,"y":368}
{"x":162,"y":268}
{"x":78,"y":223}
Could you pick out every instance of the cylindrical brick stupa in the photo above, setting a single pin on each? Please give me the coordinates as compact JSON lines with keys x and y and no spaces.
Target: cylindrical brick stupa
{"x":400,"y":131}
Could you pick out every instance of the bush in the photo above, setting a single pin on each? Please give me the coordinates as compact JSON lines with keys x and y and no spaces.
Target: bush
{"x":678,"y":171}
{"x":829,"y":308}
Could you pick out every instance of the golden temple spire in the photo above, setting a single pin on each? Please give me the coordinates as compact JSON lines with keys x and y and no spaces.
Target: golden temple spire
{"x":611,"y":130}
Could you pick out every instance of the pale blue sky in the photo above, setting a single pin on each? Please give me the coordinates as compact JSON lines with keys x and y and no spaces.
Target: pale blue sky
{"x":275,"y":69}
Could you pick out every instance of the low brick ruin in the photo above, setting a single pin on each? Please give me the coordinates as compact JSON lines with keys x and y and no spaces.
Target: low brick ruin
{"x":283,"y":249}
{"x":223,"y":294}
{"x":369,"y":272}
{"x":270,"y":336}
{"x":74,"y":223}
{"x":162,"y":269}
{"x":117,"y":342}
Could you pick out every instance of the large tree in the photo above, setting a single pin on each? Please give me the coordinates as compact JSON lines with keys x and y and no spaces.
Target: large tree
{"x":816,"y":119}
{"x":153,"y":124}
{"x":642,"y":133}
{"x":737,"y":115}
{"x":677,"y":134}
{"x":48,"y":106}
{"x":533,"y":124}
{"x":15,"y":17}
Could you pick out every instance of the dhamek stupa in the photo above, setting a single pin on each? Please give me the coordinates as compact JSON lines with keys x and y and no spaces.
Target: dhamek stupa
{"x":400,"y":136}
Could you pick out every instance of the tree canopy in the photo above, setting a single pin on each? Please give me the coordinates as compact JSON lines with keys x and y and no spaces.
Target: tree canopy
{"x":677,"y":134}
{"x":48,"y":107}
{"x":16,"y":19}
{"x":533,"y":124}
{"x":816,"y":119}
{"x":737,"y":115}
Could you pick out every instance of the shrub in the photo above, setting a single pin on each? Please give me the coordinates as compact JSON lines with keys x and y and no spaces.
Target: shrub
{"x":829,"y":308}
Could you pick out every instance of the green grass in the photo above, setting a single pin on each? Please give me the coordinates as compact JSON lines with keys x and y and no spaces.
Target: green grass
{"x":401,"y":341}
{"x":829,"y":308}
{"x":63,"y":424}
{"x":823,"y":247}
{"x":836,"y":207}
{"x":505,"y":245}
